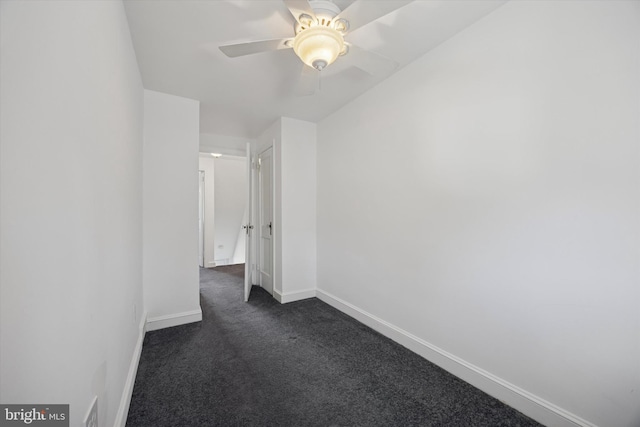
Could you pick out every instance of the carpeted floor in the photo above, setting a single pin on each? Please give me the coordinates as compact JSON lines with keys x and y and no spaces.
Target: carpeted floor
{"x":300,"y":364}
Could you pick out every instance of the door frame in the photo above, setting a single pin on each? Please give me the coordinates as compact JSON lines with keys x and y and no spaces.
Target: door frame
{"x":201,"y":216}
{"x":248,"y":227}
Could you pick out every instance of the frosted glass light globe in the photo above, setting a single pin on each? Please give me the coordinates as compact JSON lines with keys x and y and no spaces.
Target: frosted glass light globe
{"x":318,"y":46}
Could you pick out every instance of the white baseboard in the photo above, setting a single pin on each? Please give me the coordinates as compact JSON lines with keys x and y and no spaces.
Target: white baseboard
{"x":125,"y":400}
{"x":293,"y":296}
{"x":278,"y":296}
{"x":529,"y":404}
{"x":167,"y":321}
{"x":226,"y":261}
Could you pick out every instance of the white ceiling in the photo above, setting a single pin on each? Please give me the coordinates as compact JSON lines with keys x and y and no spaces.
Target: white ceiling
{"x":176,"y":43}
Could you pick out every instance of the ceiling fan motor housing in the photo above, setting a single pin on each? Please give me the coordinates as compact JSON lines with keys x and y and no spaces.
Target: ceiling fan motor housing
{"x":324,"y":10}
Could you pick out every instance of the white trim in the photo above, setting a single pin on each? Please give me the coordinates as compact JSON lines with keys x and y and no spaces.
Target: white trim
{"x":529,"y":404}
{"x":125,"y":400}
{"x":176,"y":319}
{"x":293,"y":296}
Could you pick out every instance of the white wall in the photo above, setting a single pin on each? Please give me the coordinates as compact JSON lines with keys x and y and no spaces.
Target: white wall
{"x":230,"y":204}
{"x":297,"y":234}
{"x":294,"y":162}
{"x":71,"y":130}
{"x":222,"y":144}
{"x":485,"y":201}
{"x":170,"y":210}
{"x":206,"y":164}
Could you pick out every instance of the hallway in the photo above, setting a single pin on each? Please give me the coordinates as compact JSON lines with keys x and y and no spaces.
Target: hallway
{"x":300,"y":364}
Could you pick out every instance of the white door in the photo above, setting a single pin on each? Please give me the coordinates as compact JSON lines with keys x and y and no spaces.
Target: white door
{"x":265,"y":188}
{"x":201,"y":219}
{"x":248,"y":228}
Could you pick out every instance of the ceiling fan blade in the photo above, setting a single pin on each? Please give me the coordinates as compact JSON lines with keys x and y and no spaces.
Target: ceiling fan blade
{"x":308,"y":81}
{"x":249,"y":48}
{"x":361,"y":12}
{"x":370,"y":62}
{"x":299,"y":7}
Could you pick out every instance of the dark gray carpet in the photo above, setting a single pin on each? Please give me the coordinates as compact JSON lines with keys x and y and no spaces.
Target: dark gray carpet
{"x":300,"y":364}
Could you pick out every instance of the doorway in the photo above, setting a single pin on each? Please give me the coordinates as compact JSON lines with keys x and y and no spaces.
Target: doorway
{"x":230,"y":209}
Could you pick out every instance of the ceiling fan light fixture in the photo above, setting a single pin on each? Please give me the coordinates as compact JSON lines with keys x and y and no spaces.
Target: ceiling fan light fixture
{"x":318,"y":46}
{"x":342,"y":25}
{"x":306,"y":20}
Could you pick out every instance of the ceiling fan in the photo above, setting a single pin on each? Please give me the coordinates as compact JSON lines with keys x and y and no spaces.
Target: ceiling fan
{"x":319,"y":33}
